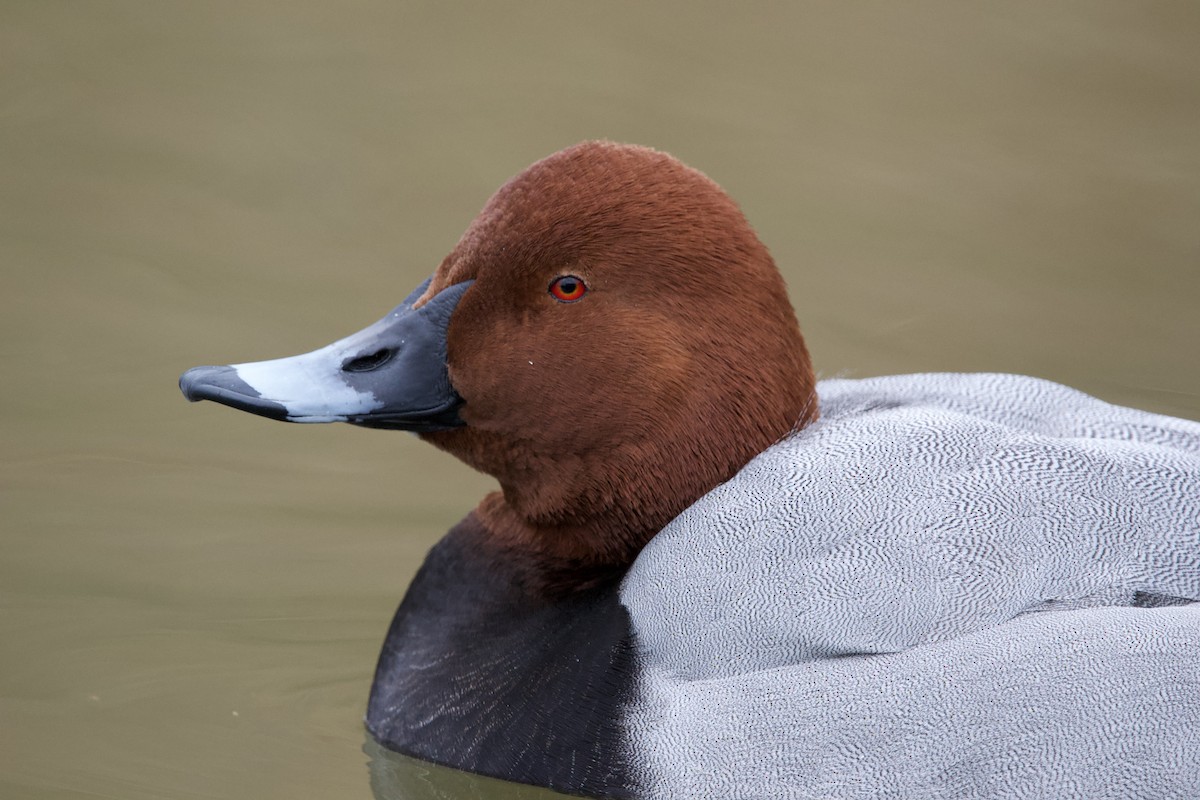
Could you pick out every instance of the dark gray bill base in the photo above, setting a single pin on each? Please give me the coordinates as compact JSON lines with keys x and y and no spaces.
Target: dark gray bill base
{"x":391,"y":374}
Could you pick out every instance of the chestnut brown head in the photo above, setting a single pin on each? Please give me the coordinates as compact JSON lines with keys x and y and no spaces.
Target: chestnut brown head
{"x":626,"y":345}
{"x":609,"y":339}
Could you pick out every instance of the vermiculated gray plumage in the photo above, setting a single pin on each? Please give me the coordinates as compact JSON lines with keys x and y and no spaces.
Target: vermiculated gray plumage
{"x":951,"y":586}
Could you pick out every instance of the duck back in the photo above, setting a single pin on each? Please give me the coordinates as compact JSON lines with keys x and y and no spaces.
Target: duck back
{"x":963,"y":586}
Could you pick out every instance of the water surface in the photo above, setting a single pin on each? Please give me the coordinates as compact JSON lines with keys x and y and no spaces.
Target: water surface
{"x":191,"y":599}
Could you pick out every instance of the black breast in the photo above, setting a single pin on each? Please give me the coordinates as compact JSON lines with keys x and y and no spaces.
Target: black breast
{"x":481,"y":673}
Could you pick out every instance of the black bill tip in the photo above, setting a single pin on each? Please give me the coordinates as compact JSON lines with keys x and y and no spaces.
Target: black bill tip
{"x":222,"y":385}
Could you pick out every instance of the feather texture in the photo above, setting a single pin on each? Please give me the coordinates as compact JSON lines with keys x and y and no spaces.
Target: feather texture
{"x":940,"y":589}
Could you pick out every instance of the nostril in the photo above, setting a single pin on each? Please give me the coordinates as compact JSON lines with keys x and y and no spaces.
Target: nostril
{"x":370,"y":361}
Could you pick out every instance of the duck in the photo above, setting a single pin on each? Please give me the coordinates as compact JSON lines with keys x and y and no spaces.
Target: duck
{"x":705,"y":573}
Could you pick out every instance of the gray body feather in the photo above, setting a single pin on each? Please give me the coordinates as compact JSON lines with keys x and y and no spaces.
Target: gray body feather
{"x":951,"y":586}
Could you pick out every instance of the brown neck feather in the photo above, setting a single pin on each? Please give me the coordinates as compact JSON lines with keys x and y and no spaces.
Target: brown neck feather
{"x":580,"y":521}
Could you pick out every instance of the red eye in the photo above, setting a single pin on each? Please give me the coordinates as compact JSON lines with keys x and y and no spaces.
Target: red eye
{"x":568,"y":288}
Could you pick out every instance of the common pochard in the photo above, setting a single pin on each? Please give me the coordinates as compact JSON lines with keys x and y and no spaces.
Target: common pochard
{"x":706,"y":575}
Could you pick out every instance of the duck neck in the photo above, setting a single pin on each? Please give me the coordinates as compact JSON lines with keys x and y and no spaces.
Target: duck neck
{"x":559,"y":556}
{"x":582,"y":521}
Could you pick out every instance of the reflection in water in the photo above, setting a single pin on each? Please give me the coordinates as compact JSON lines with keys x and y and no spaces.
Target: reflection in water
{"x":398,"y":777}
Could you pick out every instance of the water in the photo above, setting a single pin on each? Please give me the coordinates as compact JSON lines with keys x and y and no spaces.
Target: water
{"x":191,"y":599}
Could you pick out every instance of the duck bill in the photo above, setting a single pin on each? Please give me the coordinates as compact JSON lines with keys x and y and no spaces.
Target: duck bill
{"x":391,"y":374}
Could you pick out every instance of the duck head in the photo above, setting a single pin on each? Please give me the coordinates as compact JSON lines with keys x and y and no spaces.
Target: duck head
{"x":609,"y":339}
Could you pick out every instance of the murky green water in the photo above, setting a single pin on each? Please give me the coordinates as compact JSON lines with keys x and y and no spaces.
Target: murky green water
{"x":191,"y":599}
